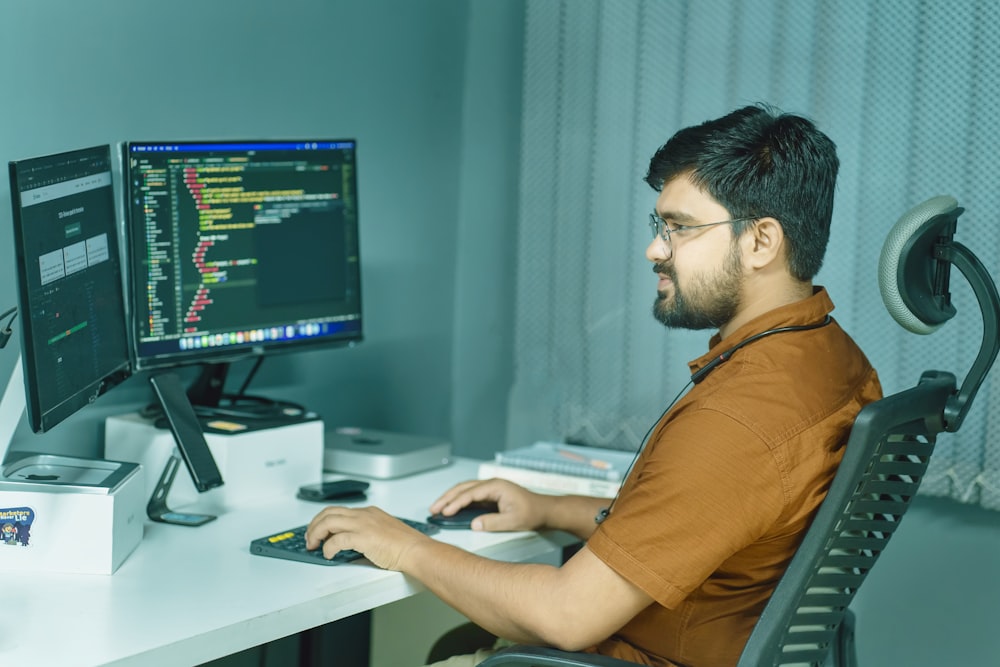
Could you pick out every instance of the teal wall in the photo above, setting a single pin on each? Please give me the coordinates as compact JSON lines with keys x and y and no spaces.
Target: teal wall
{"x":431,"y":91}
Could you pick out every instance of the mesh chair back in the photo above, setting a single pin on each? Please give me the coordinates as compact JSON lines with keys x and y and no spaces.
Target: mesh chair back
{"x":884,"y":462}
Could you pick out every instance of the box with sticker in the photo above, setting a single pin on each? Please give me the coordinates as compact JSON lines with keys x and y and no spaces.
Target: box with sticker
{"x":68,"y":514}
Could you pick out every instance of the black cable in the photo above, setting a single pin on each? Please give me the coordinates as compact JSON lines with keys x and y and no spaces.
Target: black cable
{"x":603,"y":514}
{"x":267,"y":410}
{"x":697,"y":377}
{"x":6,"y":332}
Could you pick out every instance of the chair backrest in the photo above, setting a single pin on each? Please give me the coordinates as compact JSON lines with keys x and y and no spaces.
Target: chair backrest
{"x":889,"y":448}
{"x":884,"y":462}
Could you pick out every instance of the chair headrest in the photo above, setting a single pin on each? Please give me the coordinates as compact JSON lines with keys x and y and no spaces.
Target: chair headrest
{"x":914,"y":273}
{"x":913,"y":283}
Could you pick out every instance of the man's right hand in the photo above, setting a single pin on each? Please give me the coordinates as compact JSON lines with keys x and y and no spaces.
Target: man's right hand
{"x":518,"y":508}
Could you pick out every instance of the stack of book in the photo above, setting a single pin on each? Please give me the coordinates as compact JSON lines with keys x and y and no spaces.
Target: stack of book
{"x":553,"y":467}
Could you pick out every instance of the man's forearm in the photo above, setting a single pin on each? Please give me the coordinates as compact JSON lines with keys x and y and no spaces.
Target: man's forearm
{"x":528,"y":602}
{"x":523,"y":602}
{"x":508,"y":599}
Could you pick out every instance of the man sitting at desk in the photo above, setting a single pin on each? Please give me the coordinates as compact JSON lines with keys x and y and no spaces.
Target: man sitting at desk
{"x":679,"y":568}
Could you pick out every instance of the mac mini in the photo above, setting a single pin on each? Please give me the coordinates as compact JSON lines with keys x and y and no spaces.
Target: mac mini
{"x":381,"y":454}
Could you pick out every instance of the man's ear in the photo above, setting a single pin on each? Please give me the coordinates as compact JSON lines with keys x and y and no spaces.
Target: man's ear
{"x":764,"y":243}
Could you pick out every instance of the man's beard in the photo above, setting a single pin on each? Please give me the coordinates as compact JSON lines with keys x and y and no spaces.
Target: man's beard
{"x":708,"y":302}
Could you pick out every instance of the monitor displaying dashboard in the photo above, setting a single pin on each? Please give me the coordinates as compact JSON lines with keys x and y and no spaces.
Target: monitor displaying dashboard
{"x":240,"y":248}
{"x":74,"y":343}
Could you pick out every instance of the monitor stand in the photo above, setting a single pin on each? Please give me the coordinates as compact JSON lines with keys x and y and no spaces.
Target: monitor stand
{"x":190,"y":443}
{"x":11,"y":408}
{"x":207,"y":389}
{"x":207,"y":394}
{"x":157,"y":508}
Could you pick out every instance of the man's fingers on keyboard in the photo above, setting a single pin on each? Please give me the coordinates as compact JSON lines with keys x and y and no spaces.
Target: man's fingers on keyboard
{"x":329,"y":521}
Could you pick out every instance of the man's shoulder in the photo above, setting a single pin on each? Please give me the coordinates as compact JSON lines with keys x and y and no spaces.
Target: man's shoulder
{"x":778,"y":387}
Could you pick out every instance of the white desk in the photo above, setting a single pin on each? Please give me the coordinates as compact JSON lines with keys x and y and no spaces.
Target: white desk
{"x":189,"y":595}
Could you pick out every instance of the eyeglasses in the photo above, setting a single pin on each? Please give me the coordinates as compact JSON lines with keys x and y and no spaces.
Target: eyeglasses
{"x":662,"y":230}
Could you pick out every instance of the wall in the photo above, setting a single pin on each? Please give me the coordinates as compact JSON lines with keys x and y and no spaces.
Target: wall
{"x":487,"y":214}
{"x":392,"y":73}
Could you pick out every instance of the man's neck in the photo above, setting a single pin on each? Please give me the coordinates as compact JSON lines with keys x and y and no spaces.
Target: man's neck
{"x":765,"y":296}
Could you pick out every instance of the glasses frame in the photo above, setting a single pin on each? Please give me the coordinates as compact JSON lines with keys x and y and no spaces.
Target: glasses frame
{"x":660,"y":229}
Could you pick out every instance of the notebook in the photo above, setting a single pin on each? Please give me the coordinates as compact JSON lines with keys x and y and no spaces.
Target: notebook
{"x":593,"y":462}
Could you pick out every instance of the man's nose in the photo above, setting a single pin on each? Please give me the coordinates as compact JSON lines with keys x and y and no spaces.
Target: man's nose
{"x":656,"y":251}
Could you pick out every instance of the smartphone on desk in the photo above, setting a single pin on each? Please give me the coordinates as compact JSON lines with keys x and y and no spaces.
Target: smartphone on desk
{"x":342,"y":489}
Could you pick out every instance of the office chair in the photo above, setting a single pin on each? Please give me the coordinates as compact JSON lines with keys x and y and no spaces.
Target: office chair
{"x":807,"y":620}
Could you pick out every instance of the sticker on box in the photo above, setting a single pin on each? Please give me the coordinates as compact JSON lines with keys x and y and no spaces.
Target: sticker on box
{"x":15,"y":525}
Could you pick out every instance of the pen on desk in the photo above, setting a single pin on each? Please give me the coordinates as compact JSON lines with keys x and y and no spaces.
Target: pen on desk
{"x":594,"y":463}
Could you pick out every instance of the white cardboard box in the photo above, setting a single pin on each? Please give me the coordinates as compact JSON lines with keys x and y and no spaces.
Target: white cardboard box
{"x":67,"y":514}
{"x":255,"y":465}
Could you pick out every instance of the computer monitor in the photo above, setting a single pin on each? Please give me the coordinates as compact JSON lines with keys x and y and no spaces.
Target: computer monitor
{"x":74,"y":342}
{"x":240,"y":249}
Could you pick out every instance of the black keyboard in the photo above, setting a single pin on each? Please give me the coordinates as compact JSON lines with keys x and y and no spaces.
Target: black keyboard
{"x":291,"y":545}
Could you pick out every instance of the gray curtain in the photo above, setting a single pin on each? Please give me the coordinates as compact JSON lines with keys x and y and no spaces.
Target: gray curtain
{"x":909,"y":91}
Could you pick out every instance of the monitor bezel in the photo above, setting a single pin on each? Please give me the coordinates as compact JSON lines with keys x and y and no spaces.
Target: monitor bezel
{"x":225,"y":356}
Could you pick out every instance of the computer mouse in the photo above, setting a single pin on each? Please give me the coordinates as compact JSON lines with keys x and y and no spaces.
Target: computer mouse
{"x":463,"y":517}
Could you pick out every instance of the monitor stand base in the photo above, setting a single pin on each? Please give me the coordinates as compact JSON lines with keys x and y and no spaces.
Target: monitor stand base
{"x":157,"y":508}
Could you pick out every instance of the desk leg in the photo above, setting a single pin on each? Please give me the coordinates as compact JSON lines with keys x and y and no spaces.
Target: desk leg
{"x":344,"y":643}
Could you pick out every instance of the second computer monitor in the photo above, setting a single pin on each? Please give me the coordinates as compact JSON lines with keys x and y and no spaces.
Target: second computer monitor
{"x":72,"y":313}
{"x":241,"y":248}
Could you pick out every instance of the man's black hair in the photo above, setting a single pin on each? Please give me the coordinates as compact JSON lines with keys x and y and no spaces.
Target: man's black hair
{"x":758,"y":162}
